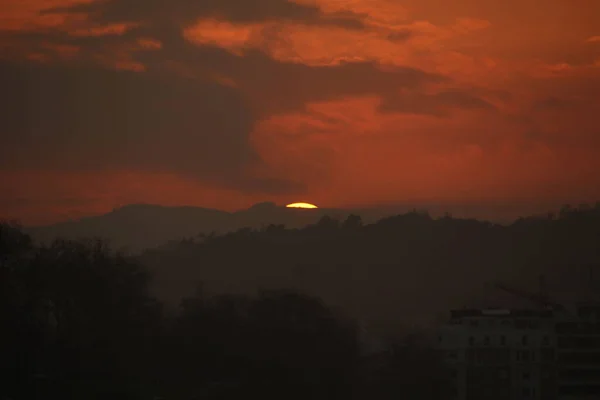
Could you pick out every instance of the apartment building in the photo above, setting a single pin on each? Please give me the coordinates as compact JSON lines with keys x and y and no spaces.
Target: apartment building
{"x":578,"y":354}
{"x":501,"y":354}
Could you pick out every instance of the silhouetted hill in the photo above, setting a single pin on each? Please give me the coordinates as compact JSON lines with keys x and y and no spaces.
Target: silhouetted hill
{"x":406,"y":268}
{"x":274,"y":304}
{"x":141,"y":226}
{"x":138,"y":227}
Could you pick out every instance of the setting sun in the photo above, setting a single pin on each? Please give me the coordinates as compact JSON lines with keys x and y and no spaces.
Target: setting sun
{"x":301,"y":205}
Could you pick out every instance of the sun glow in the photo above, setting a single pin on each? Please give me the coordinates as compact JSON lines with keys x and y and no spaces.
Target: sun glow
{"x":301,"y":205}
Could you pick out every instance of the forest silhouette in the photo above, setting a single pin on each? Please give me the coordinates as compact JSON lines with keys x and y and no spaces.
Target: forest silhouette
{"x":402,"y":270}
{"x":273,"y":312}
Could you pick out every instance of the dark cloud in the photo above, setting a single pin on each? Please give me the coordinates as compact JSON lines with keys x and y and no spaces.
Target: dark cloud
{"x":460,"y":99}
{"x":184,"y":12}
{"x":76,"y":115}
{"x":343,"y":19}
{"x":552,"y":103}
{"x":435,"y":104}
{"x":289,"y":86}
{"x":21,"y":202}
{"x":401,"y":36}
{"x":89,"y":118}
{"x":272,"y":85}
{"x":276,"y":86}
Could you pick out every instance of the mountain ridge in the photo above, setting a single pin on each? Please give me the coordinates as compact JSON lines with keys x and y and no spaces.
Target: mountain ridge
{"x":135,"y":227}
{"x":139,"y":226}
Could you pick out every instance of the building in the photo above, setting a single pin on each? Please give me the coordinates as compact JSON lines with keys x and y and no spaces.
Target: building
{"x":578,"y":354}
{"x":501,"y":354}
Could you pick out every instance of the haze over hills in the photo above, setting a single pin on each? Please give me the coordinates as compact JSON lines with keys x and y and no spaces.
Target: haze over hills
{"x":136,"y":227}
{"x":403,"y":270}
{"x":407,"y":268}
{"x":140,"y":226}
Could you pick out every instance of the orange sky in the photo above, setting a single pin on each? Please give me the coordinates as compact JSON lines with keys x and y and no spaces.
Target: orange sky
{"x":223,"y":103}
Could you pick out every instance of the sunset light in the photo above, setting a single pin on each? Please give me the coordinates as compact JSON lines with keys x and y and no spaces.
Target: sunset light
{"x":301,"y":205}
{"x":340,"y":101}
{"x":452,"y":147}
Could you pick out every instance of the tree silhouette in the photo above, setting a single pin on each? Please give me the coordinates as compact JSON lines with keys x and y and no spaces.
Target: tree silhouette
{"x":84,"y":324}
{"x":79,"y":317}
{"x":352,"y":222}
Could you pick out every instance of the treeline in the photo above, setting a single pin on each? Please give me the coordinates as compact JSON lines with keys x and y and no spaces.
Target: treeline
{"x":79,"y":322}
{"x":406,"y":268}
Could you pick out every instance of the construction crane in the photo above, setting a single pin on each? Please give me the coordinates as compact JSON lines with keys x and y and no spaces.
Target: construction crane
{"x":540,"y":299}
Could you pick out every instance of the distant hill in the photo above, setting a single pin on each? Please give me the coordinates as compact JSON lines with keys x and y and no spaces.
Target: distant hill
{"x":409,"y":267}
{"x":140,"y":226}
{"x":137,"y":227}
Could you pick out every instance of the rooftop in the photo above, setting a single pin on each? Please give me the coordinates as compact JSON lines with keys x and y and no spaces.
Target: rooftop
{"x":501,"y":313}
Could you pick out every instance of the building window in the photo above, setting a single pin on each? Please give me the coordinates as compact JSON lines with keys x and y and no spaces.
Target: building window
{"x":474,"y":322}
{"x":534,"y":324}
{"x":523,"y":355}
{"x":503,"y":340}
{"x":524,"y":340}
{"x":547,"y":355}
{"x":470,"y":356}
{"x":526,"y":375}
{"x":471,"y":341}
{"x":545,"y":375}
{"x":521,"y":324}
{"x":545,"y":340}
{"x":526,"y":392}
{"x":486,"y":340}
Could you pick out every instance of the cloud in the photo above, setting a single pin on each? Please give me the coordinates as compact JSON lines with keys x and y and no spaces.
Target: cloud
{"x":190,"y":113}
{"x":400,"y":35}
{"x":367,"y":153}
{"x":275,"y":69}
{"x":552,"y":103}
{"x":105,"y":30}
{"x":42,"y":197}
{"x":379,"y":14}
{"x":95,"y":119}
{"x":437,"y":104}
{"x":184,"y":12}
{"x":276,"y":86}
{"x":357,"y":99}
{"x":26,"y":14}
{"x":288,"y":86}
